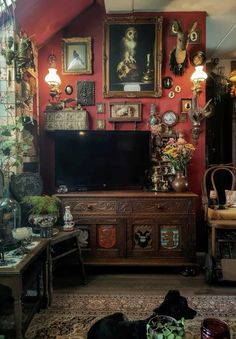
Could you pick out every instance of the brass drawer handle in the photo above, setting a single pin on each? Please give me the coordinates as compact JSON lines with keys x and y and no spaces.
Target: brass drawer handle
{"x":159,"y":206}
{"x":90,"y":207}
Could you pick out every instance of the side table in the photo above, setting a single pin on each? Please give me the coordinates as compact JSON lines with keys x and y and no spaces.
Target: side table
{"x":19,"y":278}
{"x":61,"y":245}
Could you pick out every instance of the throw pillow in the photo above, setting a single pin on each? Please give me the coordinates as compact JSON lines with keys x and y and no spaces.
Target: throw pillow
{"x":230,"y":198}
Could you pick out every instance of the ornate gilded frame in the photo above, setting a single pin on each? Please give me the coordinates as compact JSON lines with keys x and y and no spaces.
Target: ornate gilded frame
{"x":125,"y":111}
{"x":77,"y":55}
{"x":149,"y":41}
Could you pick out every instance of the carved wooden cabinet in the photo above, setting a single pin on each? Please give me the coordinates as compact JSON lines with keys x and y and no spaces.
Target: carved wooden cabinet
{"x":135,"y":228}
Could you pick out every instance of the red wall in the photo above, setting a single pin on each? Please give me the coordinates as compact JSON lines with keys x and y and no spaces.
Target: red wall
{"x":91,"y":24}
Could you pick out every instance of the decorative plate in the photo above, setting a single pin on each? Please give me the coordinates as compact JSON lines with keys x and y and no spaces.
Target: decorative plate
{"x":169,"y":118}
{"x":198,"y":58}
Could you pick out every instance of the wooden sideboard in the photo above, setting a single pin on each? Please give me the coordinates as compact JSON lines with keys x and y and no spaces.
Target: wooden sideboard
{"x":135,"y":227}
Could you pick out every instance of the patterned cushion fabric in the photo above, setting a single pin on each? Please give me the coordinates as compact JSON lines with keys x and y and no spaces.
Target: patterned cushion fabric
{"x":226,"y":214}
{"x":230,"y":198}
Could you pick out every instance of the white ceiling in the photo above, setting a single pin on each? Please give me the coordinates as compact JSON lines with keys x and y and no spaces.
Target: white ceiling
{"x":220,"y":22}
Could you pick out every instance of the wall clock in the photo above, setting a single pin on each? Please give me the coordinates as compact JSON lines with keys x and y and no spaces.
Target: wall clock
{"x":169,"y":118}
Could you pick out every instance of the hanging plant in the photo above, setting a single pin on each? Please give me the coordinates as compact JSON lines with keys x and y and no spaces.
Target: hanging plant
{"x":13,"y":146}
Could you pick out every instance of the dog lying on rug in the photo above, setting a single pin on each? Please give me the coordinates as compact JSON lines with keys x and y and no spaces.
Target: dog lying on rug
{"x":117,"y":326}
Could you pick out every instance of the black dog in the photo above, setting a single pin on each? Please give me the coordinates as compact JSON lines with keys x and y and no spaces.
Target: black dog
{"x":117,"y":325}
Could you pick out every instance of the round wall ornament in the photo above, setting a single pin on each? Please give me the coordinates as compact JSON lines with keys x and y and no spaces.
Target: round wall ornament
{"x":68,"y":89}
{"x":167,"y":82}
{"x":198,"y":58}
{"x":169,"y":118}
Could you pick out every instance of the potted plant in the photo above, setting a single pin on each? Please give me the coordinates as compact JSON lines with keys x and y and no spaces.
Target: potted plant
{"x":165,"y":327}
{"x":44,"y":211}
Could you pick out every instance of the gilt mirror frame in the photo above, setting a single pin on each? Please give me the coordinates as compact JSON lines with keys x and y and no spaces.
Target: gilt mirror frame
{"x":145,"y":80}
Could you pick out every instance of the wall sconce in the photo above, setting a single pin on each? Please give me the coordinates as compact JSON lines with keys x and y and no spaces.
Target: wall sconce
{"x":197,"y":113}
{"x":53,"y":79}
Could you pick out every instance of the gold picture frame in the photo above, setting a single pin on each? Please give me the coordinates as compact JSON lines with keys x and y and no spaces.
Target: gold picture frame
{"x":125,"y":111}
{"x":77,"y":55}
{"x":135,"y":71}
{"x":186,"y":105}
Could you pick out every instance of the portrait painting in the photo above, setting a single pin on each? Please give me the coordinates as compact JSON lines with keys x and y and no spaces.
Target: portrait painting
{"x":77,"y":56}
{"x":132,"y":57}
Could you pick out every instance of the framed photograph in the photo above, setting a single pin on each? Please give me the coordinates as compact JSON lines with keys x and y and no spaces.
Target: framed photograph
{"x":100,"y":107}
{"x":132,"y":57}
{"x":186,"y":104}
{"x":125,"y":111}
{"x":100,"y":124}
{"x":77,"y":56}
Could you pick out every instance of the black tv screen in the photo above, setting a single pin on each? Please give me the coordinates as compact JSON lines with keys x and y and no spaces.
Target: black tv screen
{"x":99,"y":160}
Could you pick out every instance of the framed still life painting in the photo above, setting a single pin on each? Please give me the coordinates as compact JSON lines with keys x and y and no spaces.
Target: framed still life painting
{"x":132,"y":57}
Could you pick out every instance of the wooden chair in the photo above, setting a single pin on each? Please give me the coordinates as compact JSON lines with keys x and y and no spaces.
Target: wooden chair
{"x":219,"y":204}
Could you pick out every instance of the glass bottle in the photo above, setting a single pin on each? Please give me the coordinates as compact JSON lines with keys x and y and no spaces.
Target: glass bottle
{"x":213,"y":328}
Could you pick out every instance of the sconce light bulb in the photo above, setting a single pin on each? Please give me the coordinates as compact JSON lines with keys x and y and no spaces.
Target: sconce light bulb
{"x":199,"y":74}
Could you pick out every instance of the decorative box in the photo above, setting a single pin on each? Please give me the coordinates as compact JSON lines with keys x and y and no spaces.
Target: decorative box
{"x":66,"y":120}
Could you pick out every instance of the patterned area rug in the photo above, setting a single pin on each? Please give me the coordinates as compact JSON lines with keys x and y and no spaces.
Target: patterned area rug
{"x":71,"y":315}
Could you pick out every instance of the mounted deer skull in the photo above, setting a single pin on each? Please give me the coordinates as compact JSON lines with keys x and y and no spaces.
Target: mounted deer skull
{"x":179,"y":56}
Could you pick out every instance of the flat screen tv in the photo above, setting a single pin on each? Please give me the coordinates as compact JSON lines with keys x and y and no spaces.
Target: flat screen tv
{"x":101,"y":160}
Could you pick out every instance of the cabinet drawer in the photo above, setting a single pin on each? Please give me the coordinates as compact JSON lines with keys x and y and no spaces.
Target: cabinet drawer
{"x":177,"y":206}
{"x":87,"y":206}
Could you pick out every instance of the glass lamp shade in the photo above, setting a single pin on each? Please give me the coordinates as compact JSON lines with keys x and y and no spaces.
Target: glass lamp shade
{"x":199,"y":74}
{"x":52,"y":78}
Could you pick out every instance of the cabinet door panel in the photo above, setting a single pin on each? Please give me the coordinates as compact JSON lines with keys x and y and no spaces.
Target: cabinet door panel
{"x":106,"y":238}
{"x":141,"y":238}
{"x":175,"y":238}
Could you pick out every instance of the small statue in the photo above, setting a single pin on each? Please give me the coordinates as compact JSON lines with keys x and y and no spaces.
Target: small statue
{"x":68,"y":219}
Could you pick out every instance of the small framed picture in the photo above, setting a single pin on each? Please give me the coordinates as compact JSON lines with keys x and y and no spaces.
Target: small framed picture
{"x":125,"y":111}
{"x":100,"y":107}
{"x":85,"y":92}
{"x":183,"y":116}
{"x":100,"y":124}
{"x":77,"y":56}
{"x":186,"y":105}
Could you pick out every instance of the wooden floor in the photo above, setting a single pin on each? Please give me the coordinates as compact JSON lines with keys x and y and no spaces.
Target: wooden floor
{"x":138,"y":280}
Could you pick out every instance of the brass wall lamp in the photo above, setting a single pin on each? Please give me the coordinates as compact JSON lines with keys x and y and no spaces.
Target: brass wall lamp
{"x":197,"y":113}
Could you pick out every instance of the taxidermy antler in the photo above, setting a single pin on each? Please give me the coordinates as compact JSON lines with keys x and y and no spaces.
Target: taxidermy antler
{"x":179,"y":56}
{"x":197,"y":114}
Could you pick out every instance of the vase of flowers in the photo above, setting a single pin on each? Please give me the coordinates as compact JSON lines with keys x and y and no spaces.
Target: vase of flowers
{"x":178,"y":153}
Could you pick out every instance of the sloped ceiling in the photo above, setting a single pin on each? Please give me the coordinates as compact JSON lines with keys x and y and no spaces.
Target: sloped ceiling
{"x":41,"y":19}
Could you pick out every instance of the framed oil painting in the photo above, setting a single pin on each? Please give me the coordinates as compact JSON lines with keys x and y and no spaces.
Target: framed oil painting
{"x":132,"y":57}
{"x":125,"y":111}
{"x":77,"y":56}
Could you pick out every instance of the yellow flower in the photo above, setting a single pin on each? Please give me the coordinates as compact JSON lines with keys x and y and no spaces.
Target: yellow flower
{"x":179,"y":154}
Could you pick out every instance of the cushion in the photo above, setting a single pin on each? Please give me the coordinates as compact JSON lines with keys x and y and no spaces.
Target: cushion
{"x":226,"y":214}
{"x":230,"y":198}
